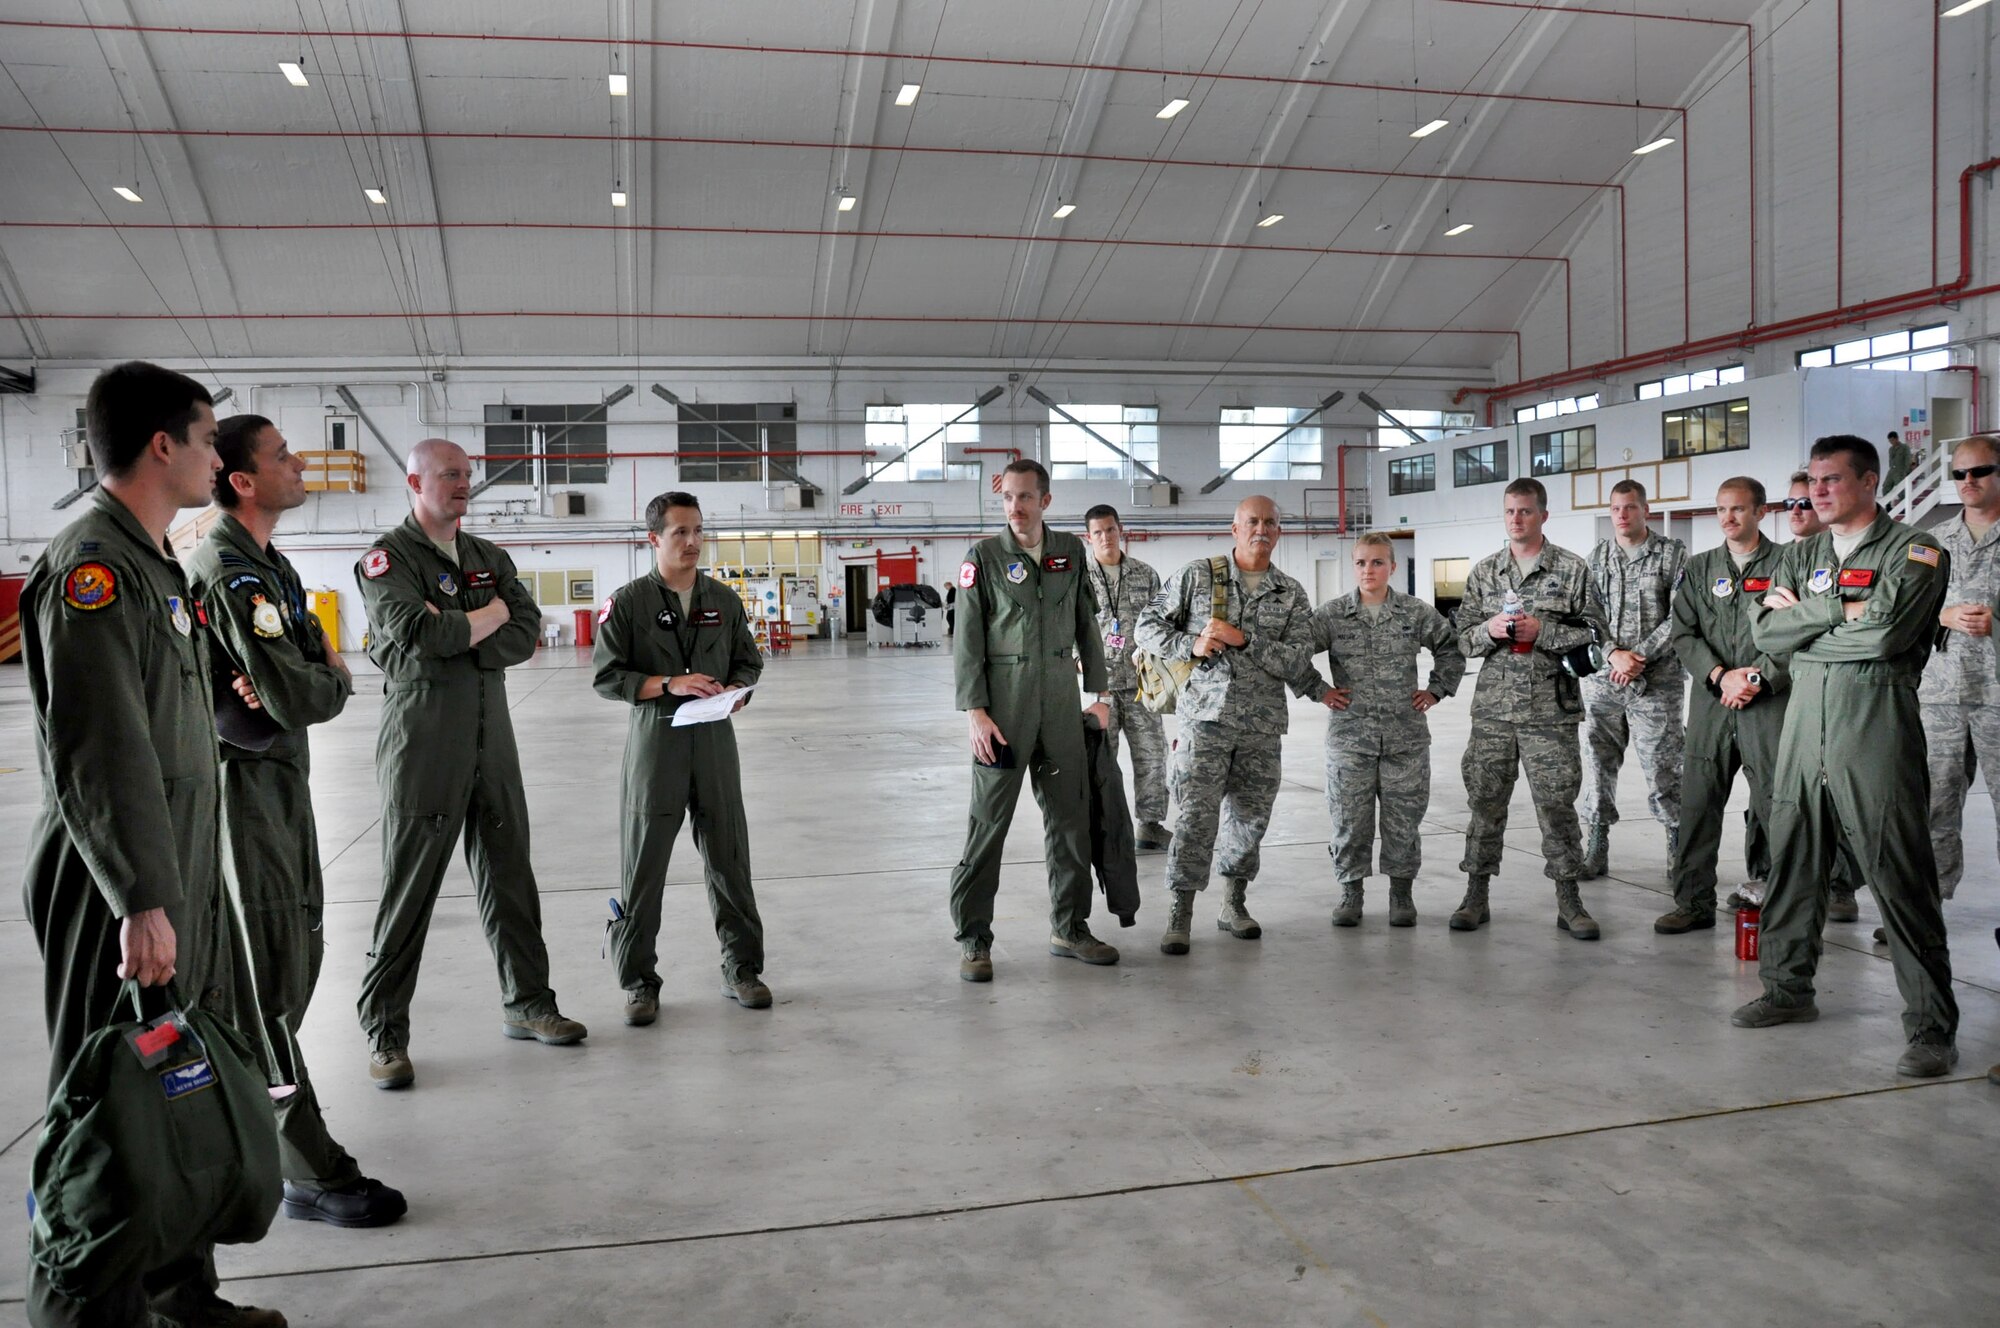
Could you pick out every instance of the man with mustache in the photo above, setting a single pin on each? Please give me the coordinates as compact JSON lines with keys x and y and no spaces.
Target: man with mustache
{"x":449,"y":616}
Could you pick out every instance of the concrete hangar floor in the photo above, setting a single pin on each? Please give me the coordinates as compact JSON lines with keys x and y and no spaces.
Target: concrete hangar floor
{"x":1321,"y":1127}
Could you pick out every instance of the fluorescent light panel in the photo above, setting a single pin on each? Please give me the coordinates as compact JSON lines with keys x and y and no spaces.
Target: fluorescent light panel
{"x":1460,"y":229}
{"x":293,"y":74}
{"x":621,"y":85}
{"x":1171,"y":109}
{"x":1273,"y":219}
{"x":1965,"y":8}
{"x":1430,"y":129}
{"x":847,"y":202}
{"x":128,"y":195}
{"x":617,"y":198}
{"x":1653,"y":146}
{"x":1063,"y":211}
{"x":908,"y":96}
{"x":376,"y":196}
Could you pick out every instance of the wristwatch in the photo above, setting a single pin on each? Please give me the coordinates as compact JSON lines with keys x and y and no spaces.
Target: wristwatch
{"x":1756,"y":678}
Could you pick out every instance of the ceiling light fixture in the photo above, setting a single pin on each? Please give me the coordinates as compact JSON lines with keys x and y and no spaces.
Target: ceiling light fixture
{"x":621,"y":85}
{"x":293,"y":74}
{"x":1272,"y":220}
{"x":1460,"y":229}
{"x":847,"y":202}
{"x":1965,"y":8}
{"x":1653,"y":146}
{"x":1171,"y":109}
{"x":129,"y":195}
{"x":1063,"y":211}
{"x":908,"y":96}
{"x":376,"y":196}
{"x":617,"y":198}
{"x":1430,"y":129}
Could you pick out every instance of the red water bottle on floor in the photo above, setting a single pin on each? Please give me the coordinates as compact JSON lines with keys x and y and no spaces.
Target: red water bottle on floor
{"x":1748,"y":922}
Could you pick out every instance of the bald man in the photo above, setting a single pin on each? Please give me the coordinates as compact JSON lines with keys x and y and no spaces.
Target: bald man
{"x":448,"y":616}
{"x":1233,"y":712}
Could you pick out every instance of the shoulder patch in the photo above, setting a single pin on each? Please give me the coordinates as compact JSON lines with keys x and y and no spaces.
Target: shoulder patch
{"x":245,"y":579}
{"x":604,"y":610}
{"x":1925,"y":554}
{"x":375,"y":563}
{"x":264,"y":618}
{"x":90,"y":586}
{"x":968,"y":574}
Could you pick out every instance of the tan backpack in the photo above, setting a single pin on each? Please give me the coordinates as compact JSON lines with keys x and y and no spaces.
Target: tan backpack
{"x":1161,"y":680}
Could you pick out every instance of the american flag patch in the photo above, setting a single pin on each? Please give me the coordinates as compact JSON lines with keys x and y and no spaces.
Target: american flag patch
{"x":1923,"y":553}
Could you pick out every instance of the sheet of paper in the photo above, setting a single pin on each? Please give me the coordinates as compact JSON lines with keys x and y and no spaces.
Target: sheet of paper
{"x":708,"y":709}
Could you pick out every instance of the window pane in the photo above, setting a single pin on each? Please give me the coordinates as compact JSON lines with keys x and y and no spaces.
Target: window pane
{"x":1524,"y":414}
{"x":1889,"y":343}
{"x":1816,"y":359}
{"x":1267,"y":433}
{"x":1590,"y":402}
{"x":1697,"y":381}
{"x":1074,"y":454}
{"x":1847,"y":352}
{"x":1931,"y":361}
{"x":1647,"y":391}
{"x":925,"y":431}
{"x":1730,"y":374}
{"x":1676,"y":385}
{"x":1900,"y":362}
{"x":1925,"y":337}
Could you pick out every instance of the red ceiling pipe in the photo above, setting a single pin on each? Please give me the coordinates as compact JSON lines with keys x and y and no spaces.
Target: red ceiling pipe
{"x":1840,"y":154}
{"x":726,"y":48}
{"x":800,"y":145}
{"x":1958,"y":288}
{"x":627,"y":456}
{"x":1013,"y":452}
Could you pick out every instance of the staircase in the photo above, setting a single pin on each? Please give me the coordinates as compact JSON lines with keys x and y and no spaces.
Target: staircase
{"x":1926,"y":497}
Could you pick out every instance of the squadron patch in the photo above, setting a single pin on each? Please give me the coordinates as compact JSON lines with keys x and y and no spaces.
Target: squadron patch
{"x":1723,"y":587}
{"x":968,"y":574}
{"x":604,"y":611}
{"x":479,"y":579}
{"x":1857,"y":576}
{"x":177,"y":614}
{"x":1057,"y":563}
{"x":375,"y":564}
{"x":447,"y":584}
{"x":90,"y":587}
{"x":1756,"y":584}
{"x":708,"y":618}
{"x":265,"y":619}
{"x":1821,"y":581}
{"x":1923,"y":553}
{"x":1017,"y":572}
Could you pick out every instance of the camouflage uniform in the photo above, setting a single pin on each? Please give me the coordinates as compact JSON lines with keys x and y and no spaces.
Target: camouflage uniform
{"x":1378,"y":750}
{"x":1525,"y":709}
{"x":1118,"y":610}
{"x":1233,"y":714}
{"x":1637,"y":595}
{"x":1960,"y":698}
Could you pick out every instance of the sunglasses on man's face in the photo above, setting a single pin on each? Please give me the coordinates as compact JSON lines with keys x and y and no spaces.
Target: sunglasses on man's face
{"x":1972,"y":473}
{"x":1796,"y":504}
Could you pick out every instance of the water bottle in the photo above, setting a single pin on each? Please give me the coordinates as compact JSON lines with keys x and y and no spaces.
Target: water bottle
{"x":1514,"y":608}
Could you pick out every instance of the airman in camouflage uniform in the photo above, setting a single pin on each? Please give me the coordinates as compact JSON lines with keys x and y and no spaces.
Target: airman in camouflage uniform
{"x":1639,"y":697}
{"x":1857,"y":617}
{"x":1124,"y":587}
{"x":1233,"y":713}
{"x":1960,"y":695}
{"x":1378,"y":741}
{"x":1526,"y":708}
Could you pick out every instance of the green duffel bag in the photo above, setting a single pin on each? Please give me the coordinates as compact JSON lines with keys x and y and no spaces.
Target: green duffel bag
{"x":161,"y":1140}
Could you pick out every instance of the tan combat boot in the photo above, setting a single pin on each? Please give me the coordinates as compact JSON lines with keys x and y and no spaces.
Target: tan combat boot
{"x":1402,"y":902}
{"x":1472,"y":913}
{"x":1180,"y":923}
{"x":1348,"y":912}
{"x":1570,"y":913}
{"x":1234,"y":919}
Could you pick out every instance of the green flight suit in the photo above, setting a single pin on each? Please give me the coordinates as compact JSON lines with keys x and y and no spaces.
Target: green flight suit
{"x":125,"y":734}
{"x":1852,"y":765}
{"x":259,"y":627}
{"x":669,"y":772}
{"x":1022,"y":626}
{"x":447,"y":762}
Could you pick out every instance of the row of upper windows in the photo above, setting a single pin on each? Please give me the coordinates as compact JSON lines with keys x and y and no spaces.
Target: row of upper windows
{"x":1715,"y":426}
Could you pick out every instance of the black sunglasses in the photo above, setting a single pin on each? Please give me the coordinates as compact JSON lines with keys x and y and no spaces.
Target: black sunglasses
{"x":1973,"y":473}
{"x":1796,"y":504}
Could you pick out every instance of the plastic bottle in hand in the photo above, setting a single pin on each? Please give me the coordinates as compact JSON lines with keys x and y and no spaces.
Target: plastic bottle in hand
{"x":1514,"y":608}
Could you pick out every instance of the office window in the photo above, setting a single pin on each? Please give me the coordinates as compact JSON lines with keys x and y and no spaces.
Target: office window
{"x":1249,"y":432}
{"x":1075,"y":455}
{"x":1429,"y":425}
{"x":1564,"y":450}
{"x":1417,"y":474}
{"x":735,"y":440}
{"x":1482,"y":463}
{"x":923,"y":432}
{"x":1718,"y":426}
{"x":568,"y":442}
